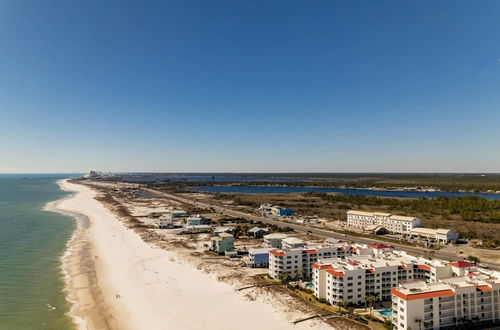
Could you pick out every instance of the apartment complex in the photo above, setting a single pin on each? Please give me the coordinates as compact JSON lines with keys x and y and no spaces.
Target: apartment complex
{"x":274,"y":240}
{"x":394,"y":223}
{"x":356,"y":276}
{"x":437,"y":235}
{"x":296,"y":262}
{"x":456,"y":302}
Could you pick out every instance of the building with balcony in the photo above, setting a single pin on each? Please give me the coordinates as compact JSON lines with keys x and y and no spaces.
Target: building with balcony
{"x":456,"y":302}
{"x":274,"y":240}
{"x":296,"y":262}
{"x":259,"y":258}
{"x":222,"y":243}
{"x":434,"y":235}
{"x":374,"y":271}
{"x":394,"y":223}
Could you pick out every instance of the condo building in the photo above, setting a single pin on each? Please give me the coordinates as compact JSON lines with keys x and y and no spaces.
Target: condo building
{"x":394,"y":223}
{"x":451,"y":303}
{"x":296,"y":262}
{"x":356,"y":276}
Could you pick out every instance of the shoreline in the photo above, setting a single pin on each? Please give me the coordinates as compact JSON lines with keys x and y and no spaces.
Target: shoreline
{"x":78,"y":269}
{"x":119,"y":281}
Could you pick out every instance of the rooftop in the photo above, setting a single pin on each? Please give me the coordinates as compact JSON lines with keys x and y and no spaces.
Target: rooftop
{"x":276,"y":236}
{"x":260,"y":251}
{"x":461,"y":264}
{"x":256,"y":229}
{"x":422,"y":290}
{"x":293,"y":240}
{"x":402,"y":217}
{"x":370,"y":214}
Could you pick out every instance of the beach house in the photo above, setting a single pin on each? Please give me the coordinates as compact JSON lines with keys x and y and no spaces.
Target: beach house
{"x":220,"y":230}
{"x":274,"y":240}
{"x":196,"y":220}
{"x":281,"y":211}
{"x":258,"y":232}
{"x":222,"y":243}
{"x":165,"y":222}
{"x":178,"y":214}
{"x":259,"y":258}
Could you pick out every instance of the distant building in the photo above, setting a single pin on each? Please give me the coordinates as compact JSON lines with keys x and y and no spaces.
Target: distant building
{"x":157,"y":214}
{"x":196,"y":220}
{"x":165,"y":222}
{"x":377,"y":229}
{"x":220,"y":230}
{"x":259,"y":258}
{"x":178,"y":214}
{"x":197,"y":229}
{"x":222,"y":243}
{"x":274,"y":240}
{"x":291,"y":243}
{"x":435,"y":235}
{"x":331,"y":241}
{"x":281,"y":211}
{"x":258,"y":232}
{"x":266,"y":208}
{"x":394,"y":223}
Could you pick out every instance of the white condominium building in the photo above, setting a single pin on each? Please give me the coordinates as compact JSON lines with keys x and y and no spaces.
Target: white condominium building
{"x":394,"y":223}
{"x":357,"y":276}
{"x":296,"y":262}
{"x":456,"y":302}
{"x":274,"y":240}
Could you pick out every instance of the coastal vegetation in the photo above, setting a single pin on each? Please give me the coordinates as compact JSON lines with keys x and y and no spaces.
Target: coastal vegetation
{"x":472,"y":217}
{"x":467,"y":182}
{"x":468,"y":208}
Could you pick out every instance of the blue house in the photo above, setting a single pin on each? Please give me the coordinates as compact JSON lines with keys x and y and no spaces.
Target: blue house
{"x":259,"y":258}
{"x":282,"y":211}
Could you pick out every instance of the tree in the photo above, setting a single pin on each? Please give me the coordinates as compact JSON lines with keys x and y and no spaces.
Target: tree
{"x":299,"y":274}
{"x":474,"y":259}
{"x":350,"y":311}
{"x":284,"y":277}
{"x":370,"y":300}
{"x":341,"y":305}
{"x":419,"y":321}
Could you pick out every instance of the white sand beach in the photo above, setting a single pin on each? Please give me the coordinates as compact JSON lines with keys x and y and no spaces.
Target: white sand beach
{"x":125,"y":283}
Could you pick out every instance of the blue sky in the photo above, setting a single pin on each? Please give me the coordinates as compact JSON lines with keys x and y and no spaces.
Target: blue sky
{"x":370,"y":86}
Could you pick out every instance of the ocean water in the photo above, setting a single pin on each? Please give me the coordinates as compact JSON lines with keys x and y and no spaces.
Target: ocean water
{"x":32,"y":242}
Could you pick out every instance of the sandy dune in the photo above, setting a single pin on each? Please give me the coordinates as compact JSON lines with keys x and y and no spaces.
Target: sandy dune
{"x":138,"y":286}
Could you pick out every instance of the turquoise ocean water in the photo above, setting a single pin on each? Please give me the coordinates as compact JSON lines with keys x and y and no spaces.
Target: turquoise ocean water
{"x":32,"y":242}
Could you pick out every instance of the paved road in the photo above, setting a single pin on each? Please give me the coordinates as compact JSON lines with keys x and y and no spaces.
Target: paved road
{"x":305,"y":229}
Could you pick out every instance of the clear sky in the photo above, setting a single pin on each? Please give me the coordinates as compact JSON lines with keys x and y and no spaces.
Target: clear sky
{"x":372,"y":86}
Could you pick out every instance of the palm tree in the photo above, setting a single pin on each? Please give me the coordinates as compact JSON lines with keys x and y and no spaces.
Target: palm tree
{"x":284,"y":277}
{"x":350,"y":311}
{"x":341,"y":305}
{"x":299,"y":273}
{"x":419,"y":321}
{"x":370,"y":300}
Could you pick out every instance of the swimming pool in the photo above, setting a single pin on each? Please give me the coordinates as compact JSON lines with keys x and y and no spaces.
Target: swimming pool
{"x":386,"y":312}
